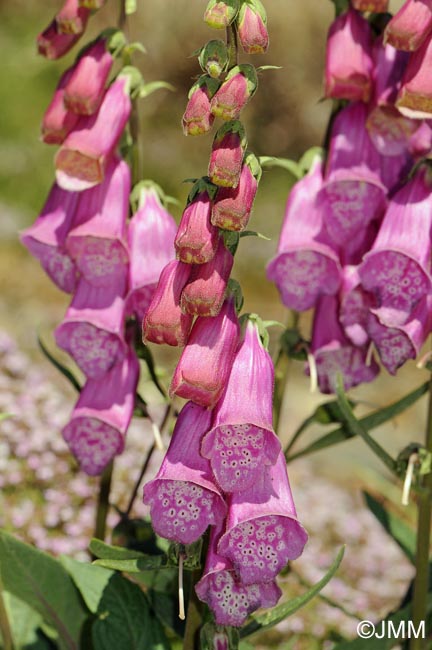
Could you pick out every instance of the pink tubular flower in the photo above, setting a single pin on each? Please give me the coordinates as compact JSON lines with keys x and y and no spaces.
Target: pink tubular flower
{"x":45,"y":239}
{"x":355,"y":304}
{"x":262,"y":530}
{"x":205,"y":291}
{"x":241,"y":444}
{"x":227,"y":154}
{"x":232,"y":207}
{"x":396,"y":270}
{"x":52,"y":44}
{"x":205,"y":364}
{"x":98,"y":240}
{"x":396,"y":345}
{"x":415,"y":95}
{"x":92,"y":331}
{"x":151,"y":235}
{"x":252,"y":27}
{"x":72,"y":18}
{"x":349,"y":58}
{"x":197,"y":118}
{"x":230,"y":600}
{"x":83,"y":158}
{"x":334,"y":354}
{"x":306,"y":265}
{"x":238,"y":87}
{"x":183,"y":497}
{"x":410,"y":26}
{"x":164,"y":321}
{"x":57,"y":121}
{"x":101,"y":417}
{"x":353,"y":194}
{"x":197,"y":239}
{"x":85,"y":89}
{"x":377,"y":6}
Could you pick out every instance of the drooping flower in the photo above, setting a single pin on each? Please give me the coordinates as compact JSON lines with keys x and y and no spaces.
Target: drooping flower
{"x":220,"y":13}
{"x":226,"y":159}
{"x":241,"y":444}
{"x":411,"y":26}
{"x":415,"y":95}
{"x":397,"y":268}
{"x":334,"y":354}
{"x":262,"y":530}
{"x":205,"y":364}
{"x":85,"y":89}
{"x":252,"y":27}
{"x":92,"y":331}
{"x":349,"y":58}
{"x":151,"y":233}
{"x":238,"y":87}
{"x":101,"y":417}
{"x":198,"y":118}
{"x":72,"y":18}
{"x":306,"y":265}
{"x":183,"y":496}
{"x":84,"y":156}
{"x":197,"y":239}
{"x":230,"y":600}
{"x":52,"y":44}
{"x":98,"y":241}
{"x":58,"y":121}
{"x":232,"y":207}
{"x":164,"y":321}
{"x":205,"y":291}
{"x":45,"y":239}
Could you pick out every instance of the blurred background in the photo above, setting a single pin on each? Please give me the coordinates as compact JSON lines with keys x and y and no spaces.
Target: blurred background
{"x":43,"y":496}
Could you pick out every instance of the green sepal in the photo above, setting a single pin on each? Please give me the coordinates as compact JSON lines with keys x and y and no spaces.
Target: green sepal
{"x":234,"y":289}
{"x":216,"y":20}
{"x":254,"y":165}
{"x":260,"y":325}
{"x":231,"y":240}
{"x":250,"y":74}
{"x":206,"y":80}
{"x":203,"y":184}
{"x":256,"y":5}
{"x":130,"y":48}
{"x":139,"y":190}
{"x":115,"y":41}
{"x":191,"y":554}
{"x":233,"y":126}
{"x":213,"y":58}
{"x":134,"y":78}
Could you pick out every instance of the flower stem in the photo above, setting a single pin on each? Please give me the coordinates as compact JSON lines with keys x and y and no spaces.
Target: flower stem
{"x":424,"y":520}
{"x":5,"y":630}
{"x":231,"y":36}
{"x":282,"y":364}
{"x":103,"y":502}
{"x":193,"y":617}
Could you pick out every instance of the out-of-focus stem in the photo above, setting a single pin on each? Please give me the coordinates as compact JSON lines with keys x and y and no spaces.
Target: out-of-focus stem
{"x":103,"y":502}
{"x":136,"y":158}
{"x":282,"y":365}
{"x":193,"y":617}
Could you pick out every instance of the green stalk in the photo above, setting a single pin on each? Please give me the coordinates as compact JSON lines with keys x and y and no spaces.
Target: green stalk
{"x":5,"y":630}
{"x":103,"y":502}
{"x":282,"y":366}
{"x":232,"y":46}
{"x":424,"y":520}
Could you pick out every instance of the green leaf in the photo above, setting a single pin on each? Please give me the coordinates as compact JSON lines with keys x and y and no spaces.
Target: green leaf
{"x":125,"y":620}
{"x":137,"y":565}
{"x":42,"y":583}
{"x":65,"y":371}
{"x":254,"y":233}
{"x":395,"y":527}
{"x":368,"y":422}
{"x":290,"y":165}
{"x":110,"y":552}
{"x":90,"y":580}
{"x":149,"y":88}
{"x":284,"y":610}
{"x":24,"y":621}
{"x":130,"y":7}
{"x":144,"y":353}
{"x":340,"y":6}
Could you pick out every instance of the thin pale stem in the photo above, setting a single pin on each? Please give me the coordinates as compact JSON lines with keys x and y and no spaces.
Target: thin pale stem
{"x":122,"y":19}
{"x":103,"y":502}
{"x":424,"y":520}
{"x":5,"y":630}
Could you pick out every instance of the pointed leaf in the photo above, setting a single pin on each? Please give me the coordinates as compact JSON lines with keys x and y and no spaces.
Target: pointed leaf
{"x":395,"y":527}
{"x":137,"y":565}
{"x":254,"y":233}
{"x":90,"y":580}
{"x":149,"y":88}
{"x":65,"y":371}
{"x":282,"y":611}
{"x":290,"y":165}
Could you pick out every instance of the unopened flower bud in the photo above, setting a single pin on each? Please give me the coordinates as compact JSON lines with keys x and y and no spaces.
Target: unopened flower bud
{"x":227,"y":154}
{"x":85,"y":89}
{"x":213,"y":58}
{"x":72,"y":18}
{"x":197,"y":239}
{"x":252,"y":27}
{"x":198,"y":118}
{"x":235,"y":92}
{"x":232,"y":207}
{"x":52,"y":44}
{"x":220,"y":13}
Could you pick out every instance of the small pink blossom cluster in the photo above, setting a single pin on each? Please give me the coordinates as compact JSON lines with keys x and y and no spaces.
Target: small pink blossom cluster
{"x":89,"y":247}
{"x":355,"y":242}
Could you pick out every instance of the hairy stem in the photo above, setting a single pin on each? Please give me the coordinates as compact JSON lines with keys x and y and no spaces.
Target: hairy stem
{"x":103,"y":502}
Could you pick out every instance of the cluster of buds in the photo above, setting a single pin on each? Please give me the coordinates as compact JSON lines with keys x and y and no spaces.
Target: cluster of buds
{"x":86,"y":241}
{"x":224,"y":467}
{"x":355,"y":242}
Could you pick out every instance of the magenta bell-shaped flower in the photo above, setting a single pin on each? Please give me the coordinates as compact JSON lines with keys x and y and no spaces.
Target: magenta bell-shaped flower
{"x":92,"y":331}
{"x":241,"y":444}
{"x":164,"y":321}
{"x":410,"y":26}
{"x":151,"y":235}
{"x":334,"y":354}
{"x":98,"y":241}
{"x":72,"y":18}
{"x":306,"y":264}
{"x":197,"y":239}
{"x":82,"y":160}
{"x":198,"y":118}
{"x":397,"y":268}
{"x":101,"y":417}
{"x":262,"y":530}
{"x":252,"y":27}
{"x":230,"y":600}
{"x":52,"y":44}
{"x":205,"y":291}
{"x":349,"y":58}
{"x":355,"y":304}
{"x":205,"y":364}
{"x":85,"y":89}
{"x":232,"y":207}
{"x":45,"y":239}
{"x":226,"y":159}
{"x":396,"y":345}
{"x":183,"y":496}
{"x":415,"y":95}
{"x":353,"y":194}
{"x":58,"y":121}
